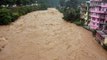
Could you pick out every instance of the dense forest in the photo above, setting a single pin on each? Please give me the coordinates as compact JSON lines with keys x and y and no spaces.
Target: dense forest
{"x":52,"y":3}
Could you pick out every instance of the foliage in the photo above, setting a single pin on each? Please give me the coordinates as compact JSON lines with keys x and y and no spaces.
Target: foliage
{"x":70,"y":10}
{"x":94,"y":32}
{"x":17,"y":2}
{"x":78,"y":22}
{"x":70,"y":14}
{"x":8,"y":15}
{"x":67,"y":7}
{"x":15,"y":15}
{"x":5,"y":16}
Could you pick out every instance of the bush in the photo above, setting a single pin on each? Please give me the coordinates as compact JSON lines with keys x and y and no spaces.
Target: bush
{"x":23,"y":10}
{"x":5,"y":16}
{"x":94,"y":32}
{"x":78,"y":22}
{"x":15,"y":16}
{"x":70,"y":14}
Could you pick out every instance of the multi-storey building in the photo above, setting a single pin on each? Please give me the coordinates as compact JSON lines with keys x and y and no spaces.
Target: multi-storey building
{"x":98,"y":12}
{"x":98,"y":20}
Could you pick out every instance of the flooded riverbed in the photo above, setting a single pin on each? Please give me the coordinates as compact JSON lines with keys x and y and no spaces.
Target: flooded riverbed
{"x":44,"y":35}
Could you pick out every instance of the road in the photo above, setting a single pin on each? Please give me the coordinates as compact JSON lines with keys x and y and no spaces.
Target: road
{"x":44,"y":35}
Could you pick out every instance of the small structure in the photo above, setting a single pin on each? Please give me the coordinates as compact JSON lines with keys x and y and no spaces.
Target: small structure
{"x":84,"y":12}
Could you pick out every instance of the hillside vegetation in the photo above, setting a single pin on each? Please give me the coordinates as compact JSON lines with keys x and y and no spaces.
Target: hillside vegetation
{"x":10,"y":10}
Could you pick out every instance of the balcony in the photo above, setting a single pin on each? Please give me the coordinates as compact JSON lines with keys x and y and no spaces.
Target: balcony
{"x":106,"y":18}
{"x":93,"y":5}
{"x":102,"y":17}
{"x":101,"y":22}
{"x":94,"y":27}
{"x":104,"y":5}
{"x":96,"y":16}
{"x":95,"y":21}
{"x":96,"y":11}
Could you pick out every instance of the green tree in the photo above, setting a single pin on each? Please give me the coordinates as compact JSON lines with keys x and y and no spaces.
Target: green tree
{"x":22,"y":2}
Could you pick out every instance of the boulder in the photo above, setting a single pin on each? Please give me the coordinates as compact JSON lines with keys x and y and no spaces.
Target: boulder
{"x":3,"y":42}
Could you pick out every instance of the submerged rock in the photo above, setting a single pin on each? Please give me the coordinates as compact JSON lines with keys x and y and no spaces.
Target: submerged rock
{"x":3,"y":42}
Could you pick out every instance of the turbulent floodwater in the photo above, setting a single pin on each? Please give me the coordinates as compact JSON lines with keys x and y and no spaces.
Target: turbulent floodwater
{"x":44,"y":35}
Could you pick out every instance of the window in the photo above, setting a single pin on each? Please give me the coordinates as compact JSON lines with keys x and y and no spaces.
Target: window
{"x":105,"y":28}
{"x":93,"y":18}
{"x":98,"y":24}
{"x":101,"y":26}
{"x":106,"y":9}
{"x":93,"y":23}
{"x":97,"y":19}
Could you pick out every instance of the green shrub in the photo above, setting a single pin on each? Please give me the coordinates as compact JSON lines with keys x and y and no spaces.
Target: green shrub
{"x":70,"y":14}
{"x":5,"y":16}
{"x":15,"y":16}
{"x":78,"y":22}
{"x":26,"y":9}
{"x":94,"y":32}
{"x":23,"y":10}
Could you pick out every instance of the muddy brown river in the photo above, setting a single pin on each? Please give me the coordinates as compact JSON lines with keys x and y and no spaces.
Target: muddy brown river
{"x":44,"y":35}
